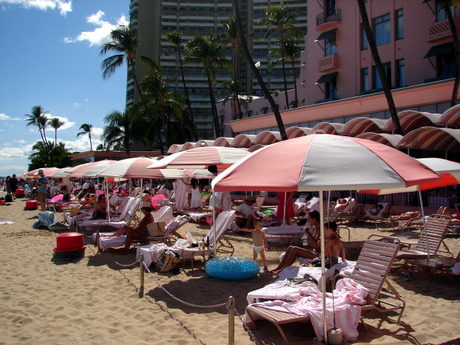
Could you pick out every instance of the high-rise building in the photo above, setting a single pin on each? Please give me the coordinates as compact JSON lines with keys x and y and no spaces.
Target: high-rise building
{"x":154,"y":19}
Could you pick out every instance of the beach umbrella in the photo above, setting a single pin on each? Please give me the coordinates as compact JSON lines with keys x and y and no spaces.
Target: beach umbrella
{"x":90,"y":170}
{"x":130,"y":168}
{"x":448,"y":170}
{"x":48,"y":172}
{"x":323,"y":162}
{"x":60,"y":173}
{"x":201,"y":158}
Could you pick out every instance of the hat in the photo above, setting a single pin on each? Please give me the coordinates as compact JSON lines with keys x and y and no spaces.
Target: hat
{"x":251,"y":198}
{"x":146,"y":204}
{"x":40,"y":171}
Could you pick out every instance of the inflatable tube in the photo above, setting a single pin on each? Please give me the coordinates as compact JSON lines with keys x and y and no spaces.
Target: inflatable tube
{"x":232,"y":268}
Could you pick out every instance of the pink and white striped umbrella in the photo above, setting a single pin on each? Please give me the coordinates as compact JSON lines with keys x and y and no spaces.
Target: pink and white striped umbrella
{"x":89,"y":170}
{"x":323,"y":162}
{"x":46,"y":172}
{"x":137,"y":168}
{"x":201,"y":158}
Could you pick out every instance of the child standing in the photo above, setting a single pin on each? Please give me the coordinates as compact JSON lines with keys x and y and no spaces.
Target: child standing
{"x":259,"y":241}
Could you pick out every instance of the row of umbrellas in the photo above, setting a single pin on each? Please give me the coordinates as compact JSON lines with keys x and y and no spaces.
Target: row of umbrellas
{"x":311,"y":163}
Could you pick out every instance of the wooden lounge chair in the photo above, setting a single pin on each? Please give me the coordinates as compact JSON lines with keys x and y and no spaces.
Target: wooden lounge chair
{"x":429,"y":242}
{"x":371,"y":270}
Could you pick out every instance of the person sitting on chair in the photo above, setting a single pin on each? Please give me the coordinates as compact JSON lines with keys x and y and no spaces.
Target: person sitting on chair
{"x":100,"y":208}
{"x":333,"y":250}
{"x":369,"y":212}
{"x":245,"y":213}
{"x":140,"y":232}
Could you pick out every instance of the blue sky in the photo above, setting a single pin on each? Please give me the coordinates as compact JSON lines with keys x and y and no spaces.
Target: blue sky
{"x":50,"y":57}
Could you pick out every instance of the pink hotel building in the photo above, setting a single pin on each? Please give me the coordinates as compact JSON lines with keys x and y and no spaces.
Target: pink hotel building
{"x":338,"y":80}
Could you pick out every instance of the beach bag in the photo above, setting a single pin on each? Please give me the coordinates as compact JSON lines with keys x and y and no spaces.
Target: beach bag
{"x":156,"y":229}
{"x":8,"y":198}
{"x":167,"y":262}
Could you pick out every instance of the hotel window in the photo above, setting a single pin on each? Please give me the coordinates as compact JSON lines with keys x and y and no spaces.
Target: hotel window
{"x":364,"y":42}
{"x":365,"y":86}
{"x":442,"y":58}
{"x":399,"y":30}
{"x":382,"y":29}
{"x":400,"y":76}
{"x":330,"y":7}
{"x":377,"y":82}
{"x":329,"y":42}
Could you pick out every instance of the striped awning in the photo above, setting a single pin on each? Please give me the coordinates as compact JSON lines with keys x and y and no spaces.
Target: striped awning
{"x":267,"y":137}
{"x":328,"y":127}
{"x":432,"y":138}
{"x":450,"y":118}
{"x":412,"y":119}
{"x":175,"y":148}
{"x":223,"y":141}
{"x":295,"y":132}
{"x":188,"y":145}
{"x":383,"y":138}
{"x":244,"y":140}
{"x":360,"y":125}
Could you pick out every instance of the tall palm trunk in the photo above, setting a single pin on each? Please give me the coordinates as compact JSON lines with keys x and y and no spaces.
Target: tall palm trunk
{"x":445,"y":5}
{"x":295,"y":85}
{"x":279,"y":120}
{"x":378,"y":64}
{"x":284,"y":77}
{"x":213,"y":103}
{"x":187,"y":97}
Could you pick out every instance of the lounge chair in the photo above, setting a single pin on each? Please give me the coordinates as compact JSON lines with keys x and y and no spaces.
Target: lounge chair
{"x":370,"y":271}
{"x":435,"y":265}
{"x":429,"y":242}
{"x":170,"y":235}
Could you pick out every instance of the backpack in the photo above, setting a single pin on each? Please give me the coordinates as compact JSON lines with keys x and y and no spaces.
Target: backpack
{"x":8,"y":198}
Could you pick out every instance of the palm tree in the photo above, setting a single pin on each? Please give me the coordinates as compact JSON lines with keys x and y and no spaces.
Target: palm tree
{"x":124,"y":41}
{"x":445,"y":4}
{"x":168,"y":107}
{"x":175,"y":38}
{"x":209,"y":52}
{"x":276,"y":112}
{"x":231,"y":35}
{"x":281,"y":21}
{"x":55,"y":123}
{"x":38,"y":118}
{"x":120,"y":129}
{"x":378,"y":64}
{"x":291,"y":51}
{"x":86,"y":129}
{"x":232,"y":89}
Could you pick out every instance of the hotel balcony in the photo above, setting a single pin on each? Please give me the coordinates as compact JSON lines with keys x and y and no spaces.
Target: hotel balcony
{"x":325,"y":21}
{"x":441,"y":30}
{"x":328,"y":62}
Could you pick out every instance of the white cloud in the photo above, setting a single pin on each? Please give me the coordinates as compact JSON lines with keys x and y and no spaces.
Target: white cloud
{"x":16,"y":152}
{"x":81,"y":143}
{"x":62,"y":6}
{"x":67,"y":124}
{"x":100,"y":34}
{"x":7,"y":118}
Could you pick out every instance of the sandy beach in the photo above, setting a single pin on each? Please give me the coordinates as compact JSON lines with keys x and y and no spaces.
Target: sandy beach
{"x":95,"y":301}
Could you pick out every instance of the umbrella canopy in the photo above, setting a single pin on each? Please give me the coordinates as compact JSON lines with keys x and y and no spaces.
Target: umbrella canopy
{"x":448,"y":170}
{"x":201,"y":158}
{"x":90,"y":169}
{"x":60,"y":173}
{"x":137,"y":168}
{"x":322,"y":162}
{"x":48,"y":172}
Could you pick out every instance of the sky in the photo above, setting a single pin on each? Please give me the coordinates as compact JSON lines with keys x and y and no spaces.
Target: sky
{"x":50,"y":57}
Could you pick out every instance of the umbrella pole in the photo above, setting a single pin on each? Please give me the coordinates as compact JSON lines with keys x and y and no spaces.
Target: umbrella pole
{"x":323,"y":266}
{"x":424,"y":223}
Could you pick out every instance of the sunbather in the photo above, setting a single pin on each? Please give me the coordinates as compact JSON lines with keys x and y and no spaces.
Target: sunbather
{"x":371,"y":212}
{"x":100,"y":208}
{"x":140,"y":232}
{"x":333,"y":250}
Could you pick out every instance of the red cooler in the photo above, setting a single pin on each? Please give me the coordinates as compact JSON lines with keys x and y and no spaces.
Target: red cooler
{"x":70,"y":245}
{"x":19,"y":193}
{"x":31,"y":205}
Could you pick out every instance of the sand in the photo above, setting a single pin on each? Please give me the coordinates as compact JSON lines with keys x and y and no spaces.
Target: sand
{"x":96,"y":301}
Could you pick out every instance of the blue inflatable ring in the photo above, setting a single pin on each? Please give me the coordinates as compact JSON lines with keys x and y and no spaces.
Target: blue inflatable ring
{"x":232,"y":268}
